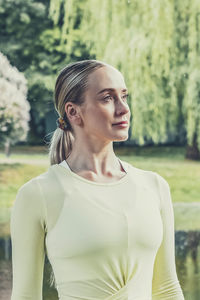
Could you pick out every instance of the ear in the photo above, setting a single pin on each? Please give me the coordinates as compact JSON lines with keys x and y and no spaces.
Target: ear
{"x":72,"y":112}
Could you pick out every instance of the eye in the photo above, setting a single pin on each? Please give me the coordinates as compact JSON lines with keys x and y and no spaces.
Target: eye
{"x":107,"y":98}
{"x":125,"y":96}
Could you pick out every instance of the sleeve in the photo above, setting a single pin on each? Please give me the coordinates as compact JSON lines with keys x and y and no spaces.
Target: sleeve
{"x":165,"y":283}
{"x":27,"y":230}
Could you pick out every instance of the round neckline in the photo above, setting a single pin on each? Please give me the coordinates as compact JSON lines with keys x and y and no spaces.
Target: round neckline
{"x":76,"y":176}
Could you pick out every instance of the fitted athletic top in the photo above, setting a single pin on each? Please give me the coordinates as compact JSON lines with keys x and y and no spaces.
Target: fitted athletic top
{"x":105,"y":241}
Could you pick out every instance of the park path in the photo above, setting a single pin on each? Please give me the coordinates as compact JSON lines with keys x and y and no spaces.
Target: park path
{"x":32,"y":161}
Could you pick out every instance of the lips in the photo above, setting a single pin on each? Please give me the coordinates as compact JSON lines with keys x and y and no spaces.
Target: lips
{"x":123,"y":122}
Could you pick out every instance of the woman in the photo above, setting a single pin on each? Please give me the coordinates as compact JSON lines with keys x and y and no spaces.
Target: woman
{"x":107,"y":226}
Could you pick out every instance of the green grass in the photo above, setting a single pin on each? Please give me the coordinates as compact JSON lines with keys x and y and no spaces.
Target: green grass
{"x":183,"y":176}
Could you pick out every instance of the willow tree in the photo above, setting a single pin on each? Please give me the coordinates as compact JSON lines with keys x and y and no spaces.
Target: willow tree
{"x":155,"y":44}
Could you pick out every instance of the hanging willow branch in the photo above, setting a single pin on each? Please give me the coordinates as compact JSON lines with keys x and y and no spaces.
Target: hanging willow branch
{"x":156,"y":46}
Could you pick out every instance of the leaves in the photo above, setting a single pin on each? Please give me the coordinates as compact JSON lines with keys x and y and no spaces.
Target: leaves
{"x":154,"y":44}
{"x":14,"y":107}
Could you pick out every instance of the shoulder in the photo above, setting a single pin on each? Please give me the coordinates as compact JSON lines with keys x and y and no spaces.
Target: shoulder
{"x":41,"y":189}
{"x":149,"y":177}
{"x":30,"y":194}
{"x":33,"y":185}
{"x":29,"y":203}
{"x":142,"y":177}
{"x":150,"y":180}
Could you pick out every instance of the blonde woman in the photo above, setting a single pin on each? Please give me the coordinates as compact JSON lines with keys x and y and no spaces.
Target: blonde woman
{"x":106,"y":226}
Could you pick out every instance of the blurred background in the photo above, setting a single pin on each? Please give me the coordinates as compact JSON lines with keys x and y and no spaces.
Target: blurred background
{"x":156,"y":46}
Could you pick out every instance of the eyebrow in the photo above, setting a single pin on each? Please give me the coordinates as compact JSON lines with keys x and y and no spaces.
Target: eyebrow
{"x":109,"y":89}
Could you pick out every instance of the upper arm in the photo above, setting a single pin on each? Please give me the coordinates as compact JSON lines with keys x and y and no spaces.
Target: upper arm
{"x":27,"y":229}
{"x":165,"y":284}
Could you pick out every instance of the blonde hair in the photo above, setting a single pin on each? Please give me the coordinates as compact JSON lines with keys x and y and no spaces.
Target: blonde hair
{"x":71,"y":85}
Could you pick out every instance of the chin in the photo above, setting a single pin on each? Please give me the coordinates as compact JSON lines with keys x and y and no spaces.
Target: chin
{"x":121,"y":139}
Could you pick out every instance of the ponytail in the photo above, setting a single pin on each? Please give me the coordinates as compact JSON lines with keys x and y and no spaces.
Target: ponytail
{"x":60,"y":145}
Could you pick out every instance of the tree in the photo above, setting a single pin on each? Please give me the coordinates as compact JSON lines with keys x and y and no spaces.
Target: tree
{"x":156,"y":47}
{"x":14,"y":107}
{"x":31,"y":42}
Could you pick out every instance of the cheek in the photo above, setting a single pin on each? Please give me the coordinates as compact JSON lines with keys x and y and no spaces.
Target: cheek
{"x":101,"y":115}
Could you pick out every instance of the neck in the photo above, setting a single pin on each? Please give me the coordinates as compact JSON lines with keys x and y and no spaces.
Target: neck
{"x":101,"y":161}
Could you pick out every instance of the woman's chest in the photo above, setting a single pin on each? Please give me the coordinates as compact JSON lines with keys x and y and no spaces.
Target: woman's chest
{"x":98,"y":220}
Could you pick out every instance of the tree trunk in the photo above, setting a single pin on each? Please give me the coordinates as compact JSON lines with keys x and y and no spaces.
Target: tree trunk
{"x":7,"y":148}
{"x":192,"y":152}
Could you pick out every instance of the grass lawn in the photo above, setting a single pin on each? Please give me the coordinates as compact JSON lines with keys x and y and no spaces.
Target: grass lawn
{"x":183,"y":176}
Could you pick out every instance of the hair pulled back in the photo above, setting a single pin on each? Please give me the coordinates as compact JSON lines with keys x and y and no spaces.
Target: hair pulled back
{"x":71,"y":85}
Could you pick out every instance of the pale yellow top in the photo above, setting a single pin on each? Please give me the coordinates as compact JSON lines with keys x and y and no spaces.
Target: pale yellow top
{"x":105,"y":241}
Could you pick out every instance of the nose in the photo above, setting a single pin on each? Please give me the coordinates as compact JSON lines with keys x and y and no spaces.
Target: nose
{"x":122,"y":107}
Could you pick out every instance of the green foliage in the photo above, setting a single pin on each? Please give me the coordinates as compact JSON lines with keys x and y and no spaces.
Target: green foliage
{"x":21,"y":26}
{"x":31,"y":42}
{"x":155,"y":44}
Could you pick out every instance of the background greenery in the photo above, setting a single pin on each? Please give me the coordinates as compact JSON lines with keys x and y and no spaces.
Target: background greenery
{"x":156,"y":47}
{"x":31,"y":42}
{"x":154,"y":44}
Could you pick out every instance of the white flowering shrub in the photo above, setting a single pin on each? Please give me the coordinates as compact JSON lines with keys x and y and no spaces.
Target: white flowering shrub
{"x":14,"y":107}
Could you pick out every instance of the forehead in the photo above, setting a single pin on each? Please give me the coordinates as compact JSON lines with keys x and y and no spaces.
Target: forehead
{"x":106,"y":77}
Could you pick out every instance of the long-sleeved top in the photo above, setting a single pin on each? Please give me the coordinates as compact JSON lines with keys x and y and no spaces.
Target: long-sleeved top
{"x":104,"y":241}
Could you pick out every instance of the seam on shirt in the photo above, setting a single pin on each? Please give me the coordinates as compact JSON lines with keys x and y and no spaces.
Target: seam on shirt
{"x":62,"y":187}
{"x":159,"y":191}
{"x":152,"y":189}
{"x":127,"y":225}
{"x":44,"y":205}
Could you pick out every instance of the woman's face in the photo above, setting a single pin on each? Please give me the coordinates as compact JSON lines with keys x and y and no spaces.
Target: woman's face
{"x":106,"y":104}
